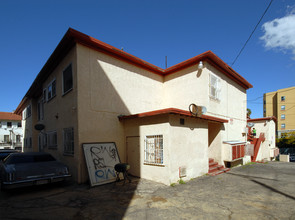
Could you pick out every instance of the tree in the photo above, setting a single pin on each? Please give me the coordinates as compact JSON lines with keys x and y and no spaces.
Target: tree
{"x":248,"y":112}
{"x":287,"y":141}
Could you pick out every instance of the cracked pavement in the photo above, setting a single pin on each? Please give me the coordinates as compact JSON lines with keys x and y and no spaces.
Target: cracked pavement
{"x":257,"y":191}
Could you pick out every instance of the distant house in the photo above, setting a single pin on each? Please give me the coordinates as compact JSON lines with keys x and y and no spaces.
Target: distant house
{"x":266,"y":130}
{"x":91,"y":92}
{"x":11,"y":132}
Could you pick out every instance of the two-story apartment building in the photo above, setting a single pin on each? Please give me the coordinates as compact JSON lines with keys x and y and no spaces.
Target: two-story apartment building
{"x":11,"y":132}
{"x":281,"y":104}
{"x":91,"y":92}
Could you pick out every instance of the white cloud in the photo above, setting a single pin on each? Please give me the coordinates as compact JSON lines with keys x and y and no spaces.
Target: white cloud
{"x":280,"y":33}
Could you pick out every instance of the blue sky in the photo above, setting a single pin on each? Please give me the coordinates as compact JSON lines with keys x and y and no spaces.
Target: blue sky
{"x":151,"y":30}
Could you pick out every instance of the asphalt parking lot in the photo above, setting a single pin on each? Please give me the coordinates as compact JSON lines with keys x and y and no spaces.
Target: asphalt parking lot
{"x":256,"y":191}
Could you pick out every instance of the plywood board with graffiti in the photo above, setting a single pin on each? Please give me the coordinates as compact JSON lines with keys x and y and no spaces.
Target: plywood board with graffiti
{"x":101,"y":159}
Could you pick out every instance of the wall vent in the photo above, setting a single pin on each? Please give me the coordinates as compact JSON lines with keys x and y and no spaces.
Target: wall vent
{"x":182,"y":172}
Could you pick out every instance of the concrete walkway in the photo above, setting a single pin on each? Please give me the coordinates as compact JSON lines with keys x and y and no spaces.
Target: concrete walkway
{"x":257,"y":191}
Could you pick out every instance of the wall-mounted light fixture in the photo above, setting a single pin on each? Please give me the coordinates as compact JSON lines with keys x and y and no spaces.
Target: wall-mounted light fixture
{"x":201,"y":65}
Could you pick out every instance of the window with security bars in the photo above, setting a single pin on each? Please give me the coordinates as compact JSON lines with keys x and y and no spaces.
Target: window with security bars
{"x":68,"y":140}
{"x":153,"y":152}
{"x":215,"y":88}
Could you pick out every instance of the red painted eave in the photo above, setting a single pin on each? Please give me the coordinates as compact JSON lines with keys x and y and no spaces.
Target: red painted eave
{"x":171,"y":111}
{"x":263,"y":119}
{"x":207,"y":56}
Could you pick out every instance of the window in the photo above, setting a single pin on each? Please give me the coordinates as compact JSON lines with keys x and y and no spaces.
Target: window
{"x":44,"y":95}
{"x":282,"y":116}
{"x":153,"y":152}
{"x":18,"y":139}
{"x":283,"y":107}
{"x":283,"y":98}
{"x":19,"y":124}
{"x":51,"y":90}
{"x":67,"y":79}
{"x":9,"y":124}
{"x":283,"y":126}
{"x":51,"y":139}
{"x":215,"y":87}
{"x":27,"y":112}
{"x":40,"y":110}
{"x":6,"y":138}
{"x":68,"y":141}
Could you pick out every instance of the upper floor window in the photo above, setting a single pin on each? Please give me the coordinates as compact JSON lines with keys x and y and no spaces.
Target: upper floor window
{"x":283,"y":98}
{"x":283,"y":126}
{"x":283,"y":107}
{"x":282,"y":116}
{"x":40,"y":110}
{"x":215,"y":87}
{"x":27,"y":112}
{"x":67,"y":79}
{"x":51,"y":90}
{"x":9,"y":124}
{"x":19,"y":124}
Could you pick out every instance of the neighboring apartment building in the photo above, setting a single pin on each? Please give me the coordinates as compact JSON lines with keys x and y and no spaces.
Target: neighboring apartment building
{"x":91,"y":92}
{"x":281,"y":104}
{"x":11,"y":132}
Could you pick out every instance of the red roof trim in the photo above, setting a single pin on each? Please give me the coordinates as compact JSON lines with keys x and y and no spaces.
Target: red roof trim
{"x":171,"y":111}
{"x":208,"y":56}
{"x":10,"y":116}
{"x":263,"y":119}
{"x":73,"y":36}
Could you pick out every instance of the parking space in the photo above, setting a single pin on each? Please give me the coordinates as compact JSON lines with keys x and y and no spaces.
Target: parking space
{"x":256,"y":191}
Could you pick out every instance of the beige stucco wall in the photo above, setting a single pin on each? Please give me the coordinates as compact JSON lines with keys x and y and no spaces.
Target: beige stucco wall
{"x":268,"y":128}
{"x":183,"y":146}
{"x":61,"y":112}
{"x":108,"y":88}
{"x":192,"y":86}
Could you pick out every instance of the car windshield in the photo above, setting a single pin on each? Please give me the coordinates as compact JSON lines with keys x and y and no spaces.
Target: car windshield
{"x":21,"y":158}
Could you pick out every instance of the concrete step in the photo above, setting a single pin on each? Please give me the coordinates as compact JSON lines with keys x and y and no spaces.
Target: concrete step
{"x":213,"y":164}
{"x":217,"y":172}
{"x":215,"y":169}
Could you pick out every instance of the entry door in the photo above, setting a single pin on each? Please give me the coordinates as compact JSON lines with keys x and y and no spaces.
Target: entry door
{"x":133,"y":155}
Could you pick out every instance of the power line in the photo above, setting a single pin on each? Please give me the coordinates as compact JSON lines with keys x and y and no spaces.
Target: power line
{"x":252,"y":33}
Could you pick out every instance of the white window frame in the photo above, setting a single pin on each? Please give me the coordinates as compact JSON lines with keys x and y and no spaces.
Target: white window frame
{"x":154,"y":150}
{"x":68,"y":141}
{"x":63,"y":88}
{"x":214,"y":87}
{"x":51,"y":91}
{"x":27,"y":112}
{"x":52,"y":139}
